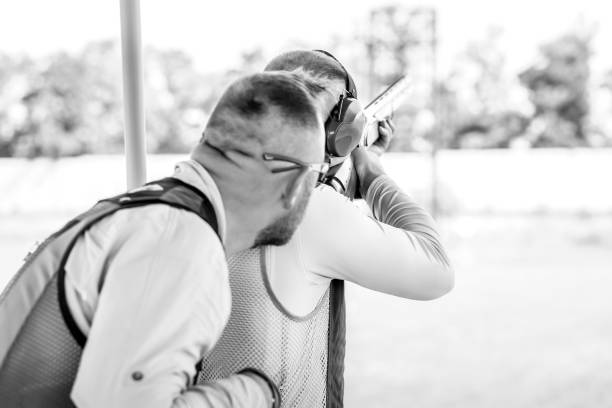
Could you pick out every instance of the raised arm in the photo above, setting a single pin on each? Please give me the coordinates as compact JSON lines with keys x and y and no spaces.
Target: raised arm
{"x":389,"y":204}
{"x":397,"y":251}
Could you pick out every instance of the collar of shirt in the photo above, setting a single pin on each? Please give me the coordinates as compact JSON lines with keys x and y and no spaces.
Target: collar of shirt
{"x":192,"y":172}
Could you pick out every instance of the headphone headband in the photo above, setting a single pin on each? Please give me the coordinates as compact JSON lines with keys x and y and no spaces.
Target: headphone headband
{"x":349,"y":84}
{"x":345,"y":124}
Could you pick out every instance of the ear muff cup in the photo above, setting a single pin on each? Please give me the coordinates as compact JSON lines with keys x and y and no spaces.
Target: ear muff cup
{"x":344,"y":128}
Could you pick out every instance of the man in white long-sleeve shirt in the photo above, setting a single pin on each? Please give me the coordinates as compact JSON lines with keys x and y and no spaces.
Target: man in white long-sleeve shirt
{"x":287,"y":313}
{"x":144,"y":291}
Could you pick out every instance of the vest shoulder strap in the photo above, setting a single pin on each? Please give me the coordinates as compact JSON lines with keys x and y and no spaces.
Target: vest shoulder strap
{"x":169,"y":191}
{"x":47,"y":262}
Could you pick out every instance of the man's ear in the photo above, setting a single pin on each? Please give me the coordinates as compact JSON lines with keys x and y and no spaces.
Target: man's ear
{"x":293,"y":189}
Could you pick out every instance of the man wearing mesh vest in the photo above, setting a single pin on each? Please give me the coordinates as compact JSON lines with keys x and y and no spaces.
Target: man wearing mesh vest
{"x":117,"y":307}
{"x":287,"y":315}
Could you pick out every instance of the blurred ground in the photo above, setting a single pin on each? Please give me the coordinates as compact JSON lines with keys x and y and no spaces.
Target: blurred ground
{"x":528,"y":324}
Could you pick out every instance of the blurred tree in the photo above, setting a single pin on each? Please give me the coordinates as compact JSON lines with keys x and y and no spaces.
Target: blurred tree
{"x":18,"y":76}
{"x":558,"y":91}
{"x":69,"y":104}
{"x":103,"y":111}
{"x":51,"y":100}
{"x":482,"y":117}
{"x":598,"y":128}
{"x":177,"y":102}
{"x":607,"y":82}
{"x":481,"y":72}
{"x":251,"y":61}
{"x":400,"y":41}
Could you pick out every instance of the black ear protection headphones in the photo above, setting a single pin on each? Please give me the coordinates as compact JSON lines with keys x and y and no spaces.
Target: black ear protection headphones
{"x":346,"y":123}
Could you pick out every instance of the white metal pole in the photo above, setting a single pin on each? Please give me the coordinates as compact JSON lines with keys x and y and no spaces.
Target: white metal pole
{"x":436,"y":108}
{"x":133,"y":104}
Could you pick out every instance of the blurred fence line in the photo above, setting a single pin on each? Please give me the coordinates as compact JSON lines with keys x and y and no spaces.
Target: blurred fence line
{"x":540,"y":181}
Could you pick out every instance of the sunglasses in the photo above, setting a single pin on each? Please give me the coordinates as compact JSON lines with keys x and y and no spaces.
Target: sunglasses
{"x":320,"y":168}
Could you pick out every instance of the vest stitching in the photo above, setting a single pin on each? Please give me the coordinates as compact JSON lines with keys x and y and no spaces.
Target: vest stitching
{"x":277,"y":303}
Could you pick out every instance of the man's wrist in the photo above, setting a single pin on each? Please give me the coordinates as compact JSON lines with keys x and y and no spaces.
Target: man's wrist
{"x":368,"y":167}
{"x":266,"y":383}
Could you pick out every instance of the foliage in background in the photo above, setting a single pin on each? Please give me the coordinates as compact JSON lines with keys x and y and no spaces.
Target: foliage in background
{"x":402,"y":40}
{"x":70,"y":104}
{"x":478,"y":103}
{"x":558,"y":90}
{"x":465,"y":108}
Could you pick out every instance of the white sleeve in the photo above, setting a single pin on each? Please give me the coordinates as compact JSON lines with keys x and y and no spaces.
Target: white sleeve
{"x":163,"y":304}
{"x":340,"y":241}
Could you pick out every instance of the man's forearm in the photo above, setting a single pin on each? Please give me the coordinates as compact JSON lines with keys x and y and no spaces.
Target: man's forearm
{"x":393,"y":207}
{"x":237,"y":391}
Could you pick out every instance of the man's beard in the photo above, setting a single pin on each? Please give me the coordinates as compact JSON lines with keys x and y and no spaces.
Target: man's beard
{"x":280,"y":231}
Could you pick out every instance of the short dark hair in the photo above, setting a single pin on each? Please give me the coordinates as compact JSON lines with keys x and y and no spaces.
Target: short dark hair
{"x":254,"y":97}
{"x":314,"y":62}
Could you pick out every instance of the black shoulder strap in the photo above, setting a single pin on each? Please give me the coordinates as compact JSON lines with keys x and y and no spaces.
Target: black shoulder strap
{"x":336,"y":345}
{"x":169,"y":191}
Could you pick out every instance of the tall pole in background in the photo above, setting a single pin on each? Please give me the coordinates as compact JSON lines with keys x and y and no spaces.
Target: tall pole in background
{"x":371,"y":49}
{"x":133,"y":103}
{"x":437,"y":128}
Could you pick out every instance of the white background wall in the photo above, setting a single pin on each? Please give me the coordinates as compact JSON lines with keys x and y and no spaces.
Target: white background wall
{"x":471,"y":182}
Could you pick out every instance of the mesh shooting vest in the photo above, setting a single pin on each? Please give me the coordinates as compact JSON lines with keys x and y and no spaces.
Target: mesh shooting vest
{"x":40,"y":344}
{"x":304,"y":356}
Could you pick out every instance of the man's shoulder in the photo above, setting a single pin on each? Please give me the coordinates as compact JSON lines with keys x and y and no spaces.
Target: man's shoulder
{"x":328,"y":217}
{"x":176,"y":243}
{"x":193,"y":173}
{"x":324,"y":195}
{"x":327,"y":204}
{"x":176,"y":226}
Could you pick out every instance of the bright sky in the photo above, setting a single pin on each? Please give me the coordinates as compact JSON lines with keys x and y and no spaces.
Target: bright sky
{"x":215,"y":33}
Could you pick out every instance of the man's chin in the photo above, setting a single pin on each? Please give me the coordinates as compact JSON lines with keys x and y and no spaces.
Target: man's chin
{"x":272,"y":240}
{"x":278,"y":233}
